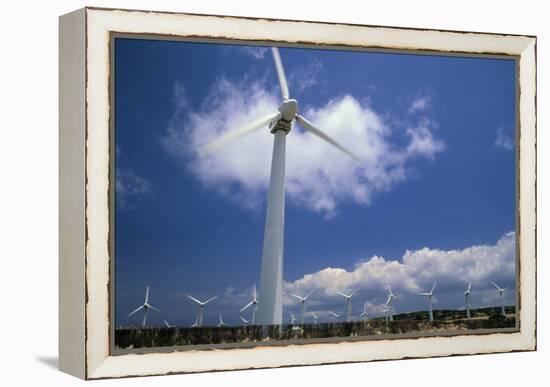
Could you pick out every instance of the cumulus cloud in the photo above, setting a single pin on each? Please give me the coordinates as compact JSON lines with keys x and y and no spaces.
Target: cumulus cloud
{"x":306,"y":77}
{"x":319,"y":177}
{"x":129,"y":186}
{"x":503,"y":140}
{"x":419,"y":104}
{"x":414,"y":272}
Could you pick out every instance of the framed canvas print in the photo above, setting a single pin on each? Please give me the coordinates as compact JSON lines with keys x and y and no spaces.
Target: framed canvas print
{"x":242,"y":193}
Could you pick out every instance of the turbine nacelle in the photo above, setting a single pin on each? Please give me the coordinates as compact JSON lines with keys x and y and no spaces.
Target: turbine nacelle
{"x":289,"y":109}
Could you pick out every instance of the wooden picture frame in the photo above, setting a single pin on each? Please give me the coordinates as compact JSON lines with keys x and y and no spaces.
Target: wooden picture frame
{"x":86,"y":189}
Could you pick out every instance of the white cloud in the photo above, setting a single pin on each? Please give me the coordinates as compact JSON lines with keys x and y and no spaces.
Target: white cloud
{"x":319,"y":177}
{"x":129,"y":186}
{"x":419,"y":104}
{"x":255,"y":52}
{"x":306,"y":77}
{"x":503,"y":140}
{"x":415,"y":272}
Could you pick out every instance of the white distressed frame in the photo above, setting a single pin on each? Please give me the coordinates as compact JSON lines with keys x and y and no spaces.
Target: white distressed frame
{"x":88,"y":330}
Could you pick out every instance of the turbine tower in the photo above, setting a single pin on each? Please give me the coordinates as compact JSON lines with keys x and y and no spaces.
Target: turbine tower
{"x":500,"y":295}
{"x":385,"y":311}
{"x":254,"y":303}
{"x":348,"y":303}
{"x":146,"y":306}
{"x":270,"y":310}
{"x":468,"y":300}
{"x":389,"y":302}
{"x":429,"y":297}
{"x":364,"y":315}
{"x":201,"y":304}
{"x":303,"y":301}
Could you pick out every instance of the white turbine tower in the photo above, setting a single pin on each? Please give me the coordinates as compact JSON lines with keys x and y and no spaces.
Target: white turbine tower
{"x":385,"y":311}
{"x":315,"y":317}
{"x":201,"y":304}
{"x":146,"y":306}
{"x":389,"y":302}
{"x":348,"y":303}
{"x":429,"y":297}
{"x":468,"y":300}
{"x":303,"y":301}
{"x":270,"y":310}
{"x":221,"y":323}
{"x":501,"y":296}
{"x":364,"y":315}
{"x":254,"y":303}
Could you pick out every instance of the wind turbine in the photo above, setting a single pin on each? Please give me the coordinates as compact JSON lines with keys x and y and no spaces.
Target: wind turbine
{"x":221,"y":323}
{"x":303,"y":301}
{"x":500,"y":294}
{"x":468,"y":300}
{"x":364,"y":314}
{"x":279,"y":123}
{"x":348,"y":303}
{"x":146,"y":306}
{"x":335,"y":315}
{"x":429,"y":296}
{"x":201,"y":304}
{"x":389,"y":302}
{"x":254,"y":303}
{"x":245,"y":321}
{"x":315,"y":317}
{"x":292,"y":319}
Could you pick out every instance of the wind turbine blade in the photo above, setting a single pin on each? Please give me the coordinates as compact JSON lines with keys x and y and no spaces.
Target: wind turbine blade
{"x":388,"y":301}
{"x":135,"y":311}
{"x":194,"y":299}
{"x":423,"y":294}
{"x":254,"y":295}
{"x":297,"y":296}
{"x":235,"y":134}
{"x":309,"y":294}
{"x":146,"y":295}
{"x":210,"y":299}
{"x":469,"y":286}
{"x":496,"y":286}
{"x":247,"y":306}
{"x":280,"y":72}
{"x":309,"y":126}
{"x":389,"y":288}
{"x":244,"y":320}
{"x":343,"y":294}
{"x":155,"y":309}
{"x":352,"y":293}
{"x":433,"y":287}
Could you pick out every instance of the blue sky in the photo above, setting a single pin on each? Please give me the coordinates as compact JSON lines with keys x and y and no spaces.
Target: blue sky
{"x":434,"y":200}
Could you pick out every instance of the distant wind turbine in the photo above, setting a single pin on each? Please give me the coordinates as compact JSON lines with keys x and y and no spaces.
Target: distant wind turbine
{"x":146,"y":306}
{"x":364,"y":315}
{"x":348,"y":303}
{"x":279,"y":123}
{"x":245,"y":321}
{"x":303,"y":301}
{"x":315,"y":317}
{"x":292,"y":319}
{"x":253,"y":303}
{"x":335,"y":315}
{"x":429,"y":297}
{"x":389,"y":302}
{"x":501,"y":296}
{"x":221,"y":323}
{"x":201,"y":304}
{"x":468,"y":300}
